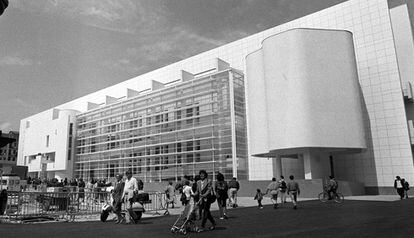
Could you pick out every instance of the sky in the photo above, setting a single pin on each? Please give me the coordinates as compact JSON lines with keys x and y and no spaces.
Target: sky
{"x":53,"y":51}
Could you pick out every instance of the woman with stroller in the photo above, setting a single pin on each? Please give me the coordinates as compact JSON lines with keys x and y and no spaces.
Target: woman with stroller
{"x":205,"y":189}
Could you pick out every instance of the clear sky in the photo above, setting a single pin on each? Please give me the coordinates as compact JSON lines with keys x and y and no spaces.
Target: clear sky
{"x":53,"y":51}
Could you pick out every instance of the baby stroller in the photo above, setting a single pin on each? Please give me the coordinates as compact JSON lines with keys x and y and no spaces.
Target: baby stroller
{"x":186,"y":220}
{"x":135,"y":212}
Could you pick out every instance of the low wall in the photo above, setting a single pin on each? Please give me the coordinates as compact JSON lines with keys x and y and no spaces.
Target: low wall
{"x":380,"y":190}
{"x":310,"y":188}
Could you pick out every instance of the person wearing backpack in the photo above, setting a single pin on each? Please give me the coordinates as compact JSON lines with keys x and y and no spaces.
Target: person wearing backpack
{"x":221,"y":189}
{"x":282,"y":189}
{"x":406,"y":187}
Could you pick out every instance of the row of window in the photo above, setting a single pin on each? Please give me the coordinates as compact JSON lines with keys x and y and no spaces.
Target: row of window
{"x":171,"y":93}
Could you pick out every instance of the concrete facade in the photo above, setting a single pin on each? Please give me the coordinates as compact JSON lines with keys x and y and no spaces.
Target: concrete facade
{"x":305,"y":98}
{"x":388,"y":141}
{"x":47,"y":139}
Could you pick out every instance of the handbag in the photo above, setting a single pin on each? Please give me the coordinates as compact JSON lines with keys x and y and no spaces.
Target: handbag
{"x":212,"y":197}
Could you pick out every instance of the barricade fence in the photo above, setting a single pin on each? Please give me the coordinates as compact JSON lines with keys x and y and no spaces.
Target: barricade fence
{"x":69,"y":206}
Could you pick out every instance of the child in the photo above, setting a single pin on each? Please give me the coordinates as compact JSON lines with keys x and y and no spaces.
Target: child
{"x":259,"y":198}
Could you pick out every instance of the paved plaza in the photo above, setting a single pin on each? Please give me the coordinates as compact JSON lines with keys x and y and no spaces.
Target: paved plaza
{"x":381,"y":218}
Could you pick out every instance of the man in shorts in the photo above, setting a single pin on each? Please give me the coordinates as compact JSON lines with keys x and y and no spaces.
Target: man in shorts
{"x":272,"y":188}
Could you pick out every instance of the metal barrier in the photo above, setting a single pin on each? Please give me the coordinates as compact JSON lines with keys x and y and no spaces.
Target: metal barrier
{"x":69,"y":206}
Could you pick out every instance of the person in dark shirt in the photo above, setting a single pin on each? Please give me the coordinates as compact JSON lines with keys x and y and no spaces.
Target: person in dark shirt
{"x":259,"y":197}
{"x":293,"y":190}
{"x":81,"y":189}
{"x":234,"y":187}
{"x":117,"y":197}
{"x":221,"y":190}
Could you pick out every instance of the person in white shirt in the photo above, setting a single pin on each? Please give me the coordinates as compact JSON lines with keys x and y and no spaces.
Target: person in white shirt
{"x":187,"y":191}
{"x":131,"y":187}
{"x":398,"y":185}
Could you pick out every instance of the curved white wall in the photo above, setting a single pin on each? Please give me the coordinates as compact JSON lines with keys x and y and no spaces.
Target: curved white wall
{"x":305,"y":89}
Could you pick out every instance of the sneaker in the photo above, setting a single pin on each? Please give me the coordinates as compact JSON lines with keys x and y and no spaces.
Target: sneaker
{"x":200,"y":230}
{"x":225,"y":217}
{"x":213,"y":227}
{"x":260,"y":207}
{"x":221,"y":218}
{"x":295,"y":207}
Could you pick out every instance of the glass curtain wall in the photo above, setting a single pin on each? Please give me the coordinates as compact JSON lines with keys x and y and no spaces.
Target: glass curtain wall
{"x":166,"y":134}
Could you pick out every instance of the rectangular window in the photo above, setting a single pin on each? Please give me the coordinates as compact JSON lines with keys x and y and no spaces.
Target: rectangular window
{"x":47,"y":141}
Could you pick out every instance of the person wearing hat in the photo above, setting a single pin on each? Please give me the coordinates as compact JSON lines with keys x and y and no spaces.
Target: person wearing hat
{"x":117,"y":197}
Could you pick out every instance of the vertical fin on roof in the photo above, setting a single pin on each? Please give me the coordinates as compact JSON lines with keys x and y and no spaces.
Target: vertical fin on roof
{"x":131,"y":93}
{"x":221,"y":64}
{"x":55,"y":113}
{"x":92,"y":105}
{"x":110,"y":100}
{"x":186,"y":76}
{"x":156,"y":85}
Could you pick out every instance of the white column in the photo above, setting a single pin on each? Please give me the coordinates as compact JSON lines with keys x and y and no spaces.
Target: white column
{"x":307,"y":165}
{"x":277,"y":167}
{"x":233,"y":124}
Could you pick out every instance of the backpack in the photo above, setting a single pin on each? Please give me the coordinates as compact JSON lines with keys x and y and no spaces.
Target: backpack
{"x":221,"y":189}
{"x":183,"y":197}
{"x":406,"y":185}
{"x":140,"y":184}
{"x":283,"y":185}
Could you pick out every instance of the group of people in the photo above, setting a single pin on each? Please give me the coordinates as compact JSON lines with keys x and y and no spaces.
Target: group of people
{"x":402,"y":187}
{"x":281,"y":189}
{"x":200,"y":193}
{"x":124,"y":191}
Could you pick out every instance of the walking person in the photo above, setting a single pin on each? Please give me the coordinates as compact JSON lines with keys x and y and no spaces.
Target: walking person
{"x":234,"y":187}
{"x":293,"y":191}
{"x":272,"y":188}
{"x":398,"y":185}
{"x":170,"y":194}
{"x":89,"y":190}
{"x":221,"y":190}
{"x":81,"y":189}
{"x":196,"y":196}
{"x":406,"y":186}
{"x":282,"y":189}
{"x":131,"y":187}
{"x":259,"y":197}
{"x":204,"y":189}
{"x":117,"y":198}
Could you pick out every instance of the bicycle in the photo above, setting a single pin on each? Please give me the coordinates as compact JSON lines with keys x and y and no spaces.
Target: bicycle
{"x":324,"y":196}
